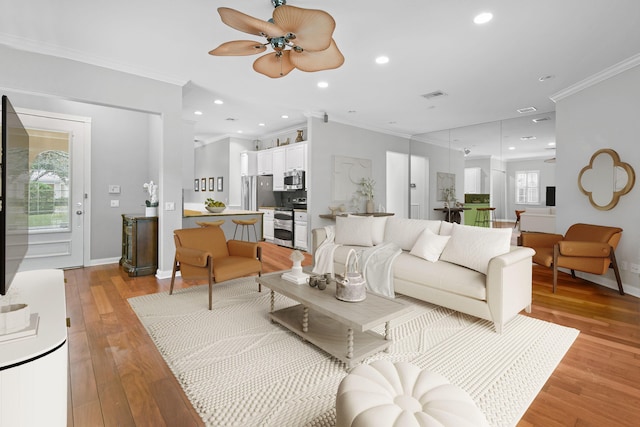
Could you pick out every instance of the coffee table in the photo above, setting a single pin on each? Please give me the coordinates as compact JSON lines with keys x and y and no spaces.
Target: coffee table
{"x":342,"y":329}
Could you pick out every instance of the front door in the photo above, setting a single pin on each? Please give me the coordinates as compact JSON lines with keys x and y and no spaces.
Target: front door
{"x":57,"y":208}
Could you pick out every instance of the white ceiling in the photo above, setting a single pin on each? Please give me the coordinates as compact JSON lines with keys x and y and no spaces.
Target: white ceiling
{"x":487,"y":72}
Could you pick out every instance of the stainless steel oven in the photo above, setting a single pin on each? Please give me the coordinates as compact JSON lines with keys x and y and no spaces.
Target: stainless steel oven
{"x":283,"y":227}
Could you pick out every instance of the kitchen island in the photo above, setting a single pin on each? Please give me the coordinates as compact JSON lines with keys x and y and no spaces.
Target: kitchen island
{"x":191,"y":217}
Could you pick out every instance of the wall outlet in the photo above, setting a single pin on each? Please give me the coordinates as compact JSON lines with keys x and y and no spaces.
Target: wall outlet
{"x":635,"y":268}
{"x":115,"y":203}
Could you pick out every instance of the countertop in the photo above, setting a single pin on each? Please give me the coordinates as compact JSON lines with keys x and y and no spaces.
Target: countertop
{"x":227,"y":212}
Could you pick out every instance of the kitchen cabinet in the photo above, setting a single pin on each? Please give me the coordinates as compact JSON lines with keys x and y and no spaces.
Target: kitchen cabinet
{"x":472,"y":180}
{"x":267,"y":224}
{"x":278,"y":169}
{"x":248,"y":163}
{"x":139,"y":244}
{"x":296,"y":156}
{"x":472,"y":213}
{"x":300,"y":233}
{"x":265,"y":162}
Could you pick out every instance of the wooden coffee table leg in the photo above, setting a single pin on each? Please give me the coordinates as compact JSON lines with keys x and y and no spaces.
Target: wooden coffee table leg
{"x":349,"y":343}
{"x":305,"y":319}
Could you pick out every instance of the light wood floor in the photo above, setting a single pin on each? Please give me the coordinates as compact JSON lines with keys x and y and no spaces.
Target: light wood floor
{"x":118,"y":378}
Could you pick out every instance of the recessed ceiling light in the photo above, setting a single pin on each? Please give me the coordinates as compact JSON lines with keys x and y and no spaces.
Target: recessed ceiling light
{"x":512,"y":148}
{"x":483,"y":18}
{"x":551,"y":144}
{"x":239,"y":131}
{"x":261,"y":124}
{"x":382,"y":59}
{"x":284,"y":116}
{"x":323,"y":85}
{"x":197,"y":113}
{"x":527,"y":110}
{"x":218,"y":101}
{"x":527,"y":138}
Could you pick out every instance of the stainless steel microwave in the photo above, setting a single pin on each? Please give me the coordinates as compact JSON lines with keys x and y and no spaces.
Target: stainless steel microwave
{"x":294,"y":180}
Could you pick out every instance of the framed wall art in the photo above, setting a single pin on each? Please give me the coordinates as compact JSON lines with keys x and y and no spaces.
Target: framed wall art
{"x":196,"y":184}
{"x":219,"y":183}
{"x":211,"y":183}
{"x":203,"y":184}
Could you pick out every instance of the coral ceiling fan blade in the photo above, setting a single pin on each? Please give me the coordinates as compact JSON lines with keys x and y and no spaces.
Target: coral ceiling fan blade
{"x":248,"y":24}
{"x":313,"y":28}
{"x":274,"y":65}
{"x":238,"y":48}
{"x":316,"y":61}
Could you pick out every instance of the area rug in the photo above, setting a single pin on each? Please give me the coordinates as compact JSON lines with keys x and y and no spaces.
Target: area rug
{"x":239,"y":369}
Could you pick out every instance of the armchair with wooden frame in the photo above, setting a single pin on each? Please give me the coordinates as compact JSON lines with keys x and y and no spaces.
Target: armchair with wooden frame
{"x":585,"y":247}
{"x":205,"y":253}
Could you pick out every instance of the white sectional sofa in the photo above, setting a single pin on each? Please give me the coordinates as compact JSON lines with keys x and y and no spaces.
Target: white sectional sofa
{"x":473,"y":270}
{"x":538,"y":219}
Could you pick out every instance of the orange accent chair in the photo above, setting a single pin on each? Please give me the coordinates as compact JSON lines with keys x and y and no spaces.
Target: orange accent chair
{"x":585,"y":247}
{"x":205,"y":253}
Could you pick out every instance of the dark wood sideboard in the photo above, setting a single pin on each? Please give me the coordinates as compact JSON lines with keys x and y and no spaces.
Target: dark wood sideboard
{"x":139,"y":244}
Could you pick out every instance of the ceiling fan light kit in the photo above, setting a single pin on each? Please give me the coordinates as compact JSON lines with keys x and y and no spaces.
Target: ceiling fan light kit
{"x":300,"y":38}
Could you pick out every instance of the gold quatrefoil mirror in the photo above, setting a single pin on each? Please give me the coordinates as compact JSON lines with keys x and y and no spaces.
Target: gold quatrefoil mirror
{"x":605,"y":179}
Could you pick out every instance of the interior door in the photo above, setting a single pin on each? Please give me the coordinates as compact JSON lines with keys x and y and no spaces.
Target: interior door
{"x":57,"y":208}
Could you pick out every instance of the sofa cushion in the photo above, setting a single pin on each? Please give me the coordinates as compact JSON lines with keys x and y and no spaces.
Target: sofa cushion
{"x":473,"y":247}
{"x":404,"y":232}
{"x":352,"y":230}
{"x":429,"y":245}
{"x":446,"y":228}
{"x":377,"y":227}
{"x":440,"y":275}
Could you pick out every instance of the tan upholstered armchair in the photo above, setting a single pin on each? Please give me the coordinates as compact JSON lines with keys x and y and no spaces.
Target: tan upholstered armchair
{"x":204,"y":253}
{"x":585,"y":247}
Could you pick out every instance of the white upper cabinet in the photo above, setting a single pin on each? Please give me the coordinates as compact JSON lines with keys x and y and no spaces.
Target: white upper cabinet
{"x":279,"y":156}
{"x":248,"y":163}
{"x":473,"y":180}
{"x":265,"y":162}
{"x":296,"y":156}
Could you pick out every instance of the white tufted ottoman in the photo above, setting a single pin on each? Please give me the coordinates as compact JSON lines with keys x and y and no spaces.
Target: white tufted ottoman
{"x":401,"y":394}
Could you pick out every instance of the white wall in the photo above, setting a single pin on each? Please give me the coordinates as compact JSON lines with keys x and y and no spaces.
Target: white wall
{"x":605,"y":115}
{"x":49,"y":77}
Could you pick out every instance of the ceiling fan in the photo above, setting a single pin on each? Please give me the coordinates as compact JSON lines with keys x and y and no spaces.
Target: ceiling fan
{"x":301,"y":38}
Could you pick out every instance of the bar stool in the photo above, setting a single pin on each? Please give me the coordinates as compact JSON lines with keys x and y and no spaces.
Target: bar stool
{"x":217,"y":223}
{"x":486,"y":217}
{"x":517,"y":218}
{"x":245,"y":223}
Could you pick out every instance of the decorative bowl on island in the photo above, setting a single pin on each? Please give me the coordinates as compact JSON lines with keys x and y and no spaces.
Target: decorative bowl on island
{"x":215,"y":209}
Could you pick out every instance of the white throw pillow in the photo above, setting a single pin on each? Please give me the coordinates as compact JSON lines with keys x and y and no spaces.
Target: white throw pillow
{"x":429,"y":245}
{"x":446,"y":228}
{"x":377,"y":227}
{"x":354,"y":230}
{"x":473,"y":247}
{"x":404,"y":231}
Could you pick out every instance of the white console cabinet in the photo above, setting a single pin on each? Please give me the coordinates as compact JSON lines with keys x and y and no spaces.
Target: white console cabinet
{"x":33,"y":369}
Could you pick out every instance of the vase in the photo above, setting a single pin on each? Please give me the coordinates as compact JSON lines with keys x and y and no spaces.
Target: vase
{"x":369,"y":206}
{"x":151,"y":211}
{"x":299,"y":137}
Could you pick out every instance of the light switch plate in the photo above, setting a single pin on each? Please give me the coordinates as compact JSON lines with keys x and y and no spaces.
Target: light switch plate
{"x":169,"y":206}
{"x":115,"y":203}
{"x":114,"y":189}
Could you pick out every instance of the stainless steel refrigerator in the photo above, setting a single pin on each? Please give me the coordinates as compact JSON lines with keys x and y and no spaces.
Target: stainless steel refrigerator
{"x":257,"y":191}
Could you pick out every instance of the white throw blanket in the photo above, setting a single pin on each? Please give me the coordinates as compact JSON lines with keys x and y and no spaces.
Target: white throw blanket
{"x":323,"y":257}
{"x":376,"y":263}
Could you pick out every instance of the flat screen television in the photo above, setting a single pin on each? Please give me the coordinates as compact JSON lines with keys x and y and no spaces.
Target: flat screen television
{"x":14,"y":220}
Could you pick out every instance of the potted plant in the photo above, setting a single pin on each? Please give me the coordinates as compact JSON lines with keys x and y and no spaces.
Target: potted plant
{"x":367,"y":186}
{"x":151,"y":203}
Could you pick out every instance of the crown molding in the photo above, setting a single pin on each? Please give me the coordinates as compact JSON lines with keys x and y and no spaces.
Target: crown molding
{"x":43,"y":48}
{"x":603,"y":75}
